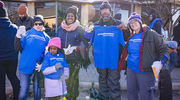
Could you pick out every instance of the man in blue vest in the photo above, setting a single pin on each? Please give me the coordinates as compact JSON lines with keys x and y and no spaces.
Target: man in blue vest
{"x":107,"y":42}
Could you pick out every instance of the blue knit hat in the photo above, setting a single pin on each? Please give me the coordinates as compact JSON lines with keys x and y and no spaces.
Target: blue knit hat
{"x":172,"y":44}
{"x":38,"y":18}
{"x":134,"y":17}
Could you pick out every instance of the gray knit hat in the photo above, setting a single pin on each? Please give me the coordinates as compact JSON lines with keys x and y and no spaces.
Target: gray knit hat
{"x":105,"y":4}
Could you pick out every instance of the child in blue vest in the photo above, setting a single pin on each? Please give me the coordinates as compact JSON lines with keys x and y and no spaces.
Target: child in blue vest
{"x":55,"y":70}
{"x":173,"y":54}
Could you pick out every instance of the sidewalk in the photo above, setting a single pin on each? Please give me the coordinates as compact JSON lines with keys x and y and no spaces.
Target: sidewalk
{"x":86,"y":79}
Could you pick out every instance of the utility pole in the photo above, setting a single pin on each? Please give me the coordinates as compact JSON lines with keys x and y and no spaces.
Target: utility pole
{"x":132,"y":6}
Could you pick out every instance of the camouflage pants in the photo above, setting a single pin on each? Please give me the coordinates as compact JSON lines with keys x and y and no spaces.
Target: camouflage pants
{"x":73,"y":81}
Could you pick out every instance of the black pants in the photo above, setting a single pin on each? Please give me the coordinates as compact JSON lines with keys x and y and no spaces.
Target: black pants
{"x":109,"y":85}
{"x":9,"y":67}
{"x":73,"y":81}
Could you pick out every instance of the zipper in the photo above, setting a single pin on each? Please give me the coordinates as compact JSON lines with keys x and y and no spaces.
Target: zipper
{"x":66,"y":41}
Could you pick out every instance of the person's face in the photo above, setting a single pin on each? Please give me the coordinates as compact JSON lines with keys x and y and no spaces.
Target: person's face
{"x":135,"y":25}
{"x":105,"y":13}
{"x":53,"y":50}
{"x":70,"y":18}
{"x":21,"y":16}
{"x":38,"y":26}
{"x":150,"y":17}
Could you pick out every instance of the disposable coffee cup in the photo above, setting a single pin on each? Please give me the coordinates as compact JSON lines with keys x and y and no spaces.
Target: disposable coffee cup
{"x":87,"y":98}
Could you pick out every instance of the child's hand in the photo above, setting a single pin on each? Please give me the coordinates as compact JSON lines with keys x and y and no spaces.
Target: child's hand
{"x":58,"y":66}
{"x":63,"y":77}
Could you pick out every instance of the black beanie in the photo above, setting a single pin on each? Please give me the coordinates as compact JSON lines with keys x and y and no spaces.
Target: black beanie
{"x":38,"y":18}
{"x":117,"y":16}
{"x":105,"y":4}
{"x":72,"y":9}
{"x":3,"y":11}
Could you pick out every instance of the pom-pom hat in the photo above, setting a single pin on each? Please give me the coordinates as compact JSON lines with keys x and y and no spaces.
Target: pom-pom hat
{"x":134,"y":17}
{"x":38,"y":18}
{"x":172,"y":44}
{"x":105,"y":4}
{"x":72,"y":9}
{"x":3,"y":11}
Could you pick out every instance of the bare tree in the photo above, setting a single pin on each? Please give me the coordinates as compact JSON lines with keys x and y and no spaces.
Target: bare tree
{"x":12,"y":8}
{"x":165,"y":9}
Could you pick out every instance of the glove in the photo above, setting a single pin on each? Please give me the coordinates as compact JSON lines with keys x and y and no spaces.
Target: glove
{"x":63,"y":77}
{"x":58,"y":66}
{"x":69,"y":50}
{"x":89,"y":28}
{"x":21,"y":31}
{"x":38,"y":67}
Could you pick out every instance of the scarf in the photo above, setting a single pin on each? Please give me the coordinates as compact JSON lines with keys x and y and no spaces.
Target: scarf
{"x":171,"y":50}
{"x":70,"y":27}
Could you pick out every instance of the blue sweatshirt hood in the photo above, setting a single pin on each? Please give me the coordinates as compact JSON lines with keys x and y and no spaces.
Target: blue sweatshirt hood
{"x":5,"y":23}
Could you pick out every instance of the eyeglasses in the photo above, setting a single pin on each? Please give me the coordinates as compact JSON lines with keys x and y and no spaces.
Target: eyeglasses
{"x":38,"y":24}
{"x":133,"y":22}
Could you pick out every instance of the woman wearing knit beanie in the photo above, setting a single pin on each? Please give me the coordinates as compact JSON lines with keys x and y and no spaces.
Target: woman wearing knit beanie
{"x":143,"y":48}
{"x":24,"y":18}
{"x":8,"y":56}
{"x":32,"y":46}
{"x":71,"y":34}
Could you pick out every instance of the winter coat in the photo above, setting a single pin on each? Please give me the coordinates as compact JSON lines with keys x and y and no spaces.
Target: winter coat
{"x":33,"y":45}
{"x":176,"y":33}
{"x":53,"y":86}
{"x":157,"y":24}
{"x":74,"y":38}
{"x":173,"y":56}
{"x":7,"y":35}
{"x":152,"y":49}
{"x":28,"y":23}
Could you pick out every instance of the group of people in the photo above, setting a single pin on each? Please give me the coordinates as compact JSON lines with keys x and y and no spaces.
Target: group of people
{"x":60,"y":62}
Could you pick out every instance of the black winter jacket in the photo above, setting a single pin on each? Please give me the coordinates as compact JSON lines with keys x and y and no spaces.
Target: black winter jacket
{"x":157,"y":27}
{"x":28,"y":23}
{"x":176,"y":33}
{"x":153,"y":49}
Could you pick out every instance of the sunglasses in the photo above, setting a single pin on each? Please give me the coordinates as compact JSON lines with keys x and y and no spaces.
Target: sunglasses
{"x":38,"y":24}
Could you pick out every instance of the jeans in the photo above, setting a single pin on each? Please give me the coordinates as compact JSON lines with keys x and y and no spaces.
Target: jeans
{"x":9,"y":67}
{"x":25,"y":83}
